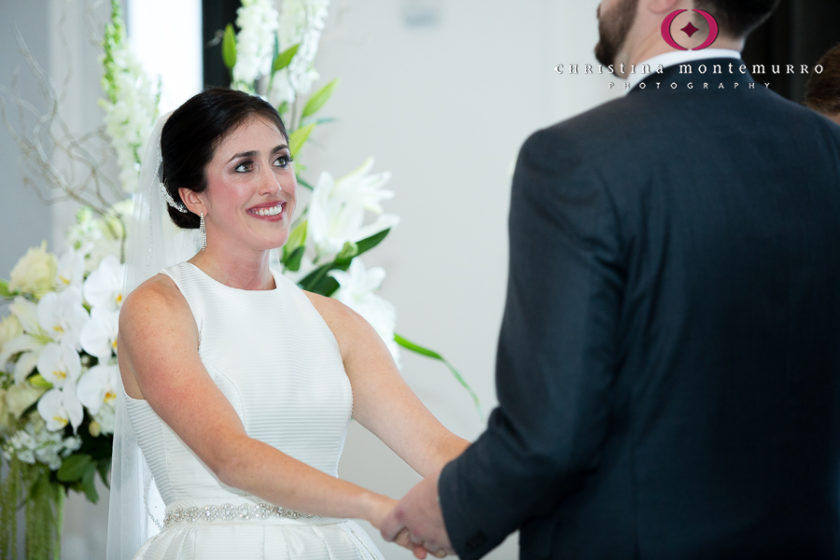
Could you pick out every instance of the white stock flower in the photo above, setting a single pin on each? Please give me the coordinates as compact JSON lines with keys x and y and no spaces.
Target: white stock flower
{"x":131,"y":102}
{"x":99,"y":335}
{"x":59,"y":407}
{"x":301,"y":22}
{"x":257,"y":21}
{"x":71,"y":269}
{"x":98,"y":386}
{"x":103,"y":288}
{"x":337,"y":209}
{"x":59,"y":364}
{"x":62,"y":316}
{"x":35,"y":443}
{"x":357,"y":290}
{"x":35,"y":272}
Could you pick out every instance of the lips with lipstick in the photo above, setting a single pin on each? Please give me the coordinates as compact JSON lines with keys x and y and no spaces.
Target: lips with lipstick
{"x":272,"y":210}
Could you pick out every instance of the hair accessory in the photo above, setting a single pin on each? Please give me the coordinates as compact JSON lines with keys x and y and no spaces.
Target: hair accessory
{"x":202,"y":231}
{"x":179,"y":206}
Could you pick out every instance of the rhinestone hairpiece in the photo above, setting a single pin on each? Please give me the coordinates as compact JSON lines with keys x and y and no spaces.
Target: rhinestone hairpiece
{"x":179,"y":206}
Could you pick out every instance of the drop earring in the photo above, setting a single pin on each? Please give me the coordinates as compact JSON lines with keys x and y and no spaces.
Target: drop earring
{"x":202,"y":231}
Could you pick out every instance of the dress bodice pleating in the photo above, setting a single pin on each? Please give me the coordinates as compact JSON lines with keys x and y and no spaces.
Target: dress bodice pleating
{"x":277,"y":362}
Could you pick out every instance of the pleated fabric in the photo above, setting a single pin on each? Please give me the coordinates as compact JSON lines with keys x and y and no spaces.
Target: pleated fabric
{"x":277,"y":362}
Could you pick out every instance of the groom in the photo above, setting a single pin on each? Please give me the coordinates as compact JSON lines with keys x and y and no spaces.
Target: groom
{"x":668,"y":368}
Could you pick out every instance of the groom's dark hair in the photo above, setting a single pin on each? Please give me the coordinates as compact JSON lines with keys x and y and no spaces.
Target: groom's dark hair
{"x":737,"y":18}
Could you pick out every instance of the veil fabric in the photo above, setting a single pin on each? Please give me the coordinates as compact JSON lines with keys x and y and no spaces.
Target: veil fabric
{"x":135,"y":509}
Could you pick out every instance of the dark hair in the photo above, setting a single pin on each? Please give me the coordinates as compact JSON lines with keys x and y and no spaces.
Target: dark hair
{"x":737,"y":18}
{"x":194,"y":130}
{"x":822,"y":92}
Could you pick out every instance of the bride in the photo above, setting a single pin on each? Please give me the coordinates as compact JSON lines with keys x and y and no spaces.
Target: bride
{"x":238,"y":385}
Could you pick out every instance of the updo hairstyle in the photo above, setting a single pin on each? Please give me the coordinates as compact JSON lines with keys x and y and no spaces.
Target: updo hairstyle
{"x":192,"y":133}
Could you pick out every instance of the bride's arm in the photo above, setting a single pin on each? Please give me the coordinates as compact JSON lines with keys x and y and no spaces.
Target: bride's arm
{"x":159,"y":362}
{"x":382,"y":402}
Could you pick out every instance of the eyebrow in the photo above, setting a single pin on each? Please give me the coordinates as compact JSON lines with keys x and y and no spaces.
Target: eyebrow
{"x":253,"y":153}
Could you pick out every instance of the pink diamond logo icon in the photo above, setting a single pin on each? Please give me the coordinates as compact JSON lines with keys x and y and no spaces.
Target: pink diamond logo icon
{"x":689,"y":29}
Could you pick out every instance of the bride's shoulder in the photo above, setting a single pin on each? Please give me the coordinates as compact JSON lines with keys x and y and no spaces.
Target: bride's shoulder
{"x":158,"y":297}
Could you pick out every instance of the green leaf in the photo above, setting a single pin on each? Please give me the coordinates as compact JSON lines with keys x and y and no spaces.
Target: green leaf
{"x":103,"y":467}
{"x":229,"y":47}
{"x":293,"y":260}
{"x":347,"y":253}
{"x":318,"y":99}
{"x":282,"y":108}
{"x":284,"y":58}
{"x":369,"y":243}
{"x":296,"y":239}
{"x":38,"y":380}
{"x":298,"y":138}
{"x":74,"y":467}
{"x":305,"y":184}
{"x":429,"y":353}
{"x":89,"y":483}
{"x":4,"y":290}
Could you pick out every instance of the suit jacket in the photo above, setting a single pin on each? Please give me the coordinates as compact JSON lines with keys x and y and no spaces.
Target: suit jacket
{"x":668,"y":368}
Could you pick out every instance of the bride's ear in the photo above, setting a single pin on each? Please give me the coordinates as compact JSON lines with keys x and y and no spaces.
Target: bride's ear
{"x":193,"y":201}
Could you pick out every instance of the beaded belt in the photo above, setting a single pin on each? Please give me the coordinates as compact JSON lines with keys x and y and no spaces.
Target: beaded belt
{"x":231,"y":512}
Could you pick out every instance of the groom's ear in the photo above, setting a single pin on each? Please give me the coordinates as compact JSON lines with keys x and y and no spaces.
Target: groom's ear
{"x":666,"y":6}
{"x":192,"y":200}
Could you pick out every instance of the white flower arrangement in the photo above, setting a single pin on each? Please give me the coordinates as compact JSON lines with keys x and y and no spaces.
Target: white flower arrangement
{"x":58,"y":349}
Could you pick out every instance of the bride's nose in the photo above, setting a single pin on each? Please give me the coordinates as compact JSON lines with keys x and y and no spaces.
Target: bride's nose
{"x":269,"y":182}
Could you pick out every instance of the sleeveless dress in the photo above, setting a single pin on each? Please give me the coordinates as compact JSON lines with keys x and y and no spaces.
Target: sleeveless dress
{"x":278,"y":363}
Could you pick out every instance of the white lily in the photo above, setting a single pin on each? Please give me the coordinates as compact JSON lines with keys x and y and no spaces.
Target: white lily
{"x":99,"y":335}
{"x":62,"y":316}
{"x":103,"y":288}
{"x":357,"y":290}
{"x":98,"y":386}
{"x":58,"y":407}
{"x":59,"y":364}
{"x":337,"y":209}
{"x":71,"y":269}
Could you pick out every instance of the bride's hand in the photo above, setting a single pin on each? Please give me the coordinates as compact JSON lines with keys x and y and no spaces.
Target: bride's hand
{"x":379,"y":507}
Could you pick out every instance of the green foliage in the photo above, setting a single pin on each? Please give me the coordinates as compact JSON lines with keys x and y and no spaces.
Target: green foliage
{"x":298,"y":138}
{"x":428,"y":353}
{"x":229,"y":47}
{"x":319,"y":99}
{"x":283,"y":59}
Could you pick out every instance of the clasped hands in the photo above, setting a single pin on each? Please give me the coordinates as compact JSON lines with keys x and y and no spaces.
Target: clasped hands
{"x":416,"y":522}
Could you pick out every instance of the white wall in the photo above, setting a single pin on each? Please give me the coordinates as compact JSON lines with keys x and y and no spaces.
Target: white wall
{"x":444,"y":107}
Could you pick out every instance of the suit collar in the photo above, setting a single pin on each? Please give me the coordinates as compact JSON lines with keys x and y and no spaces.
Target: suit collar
{"x":718,"y":73}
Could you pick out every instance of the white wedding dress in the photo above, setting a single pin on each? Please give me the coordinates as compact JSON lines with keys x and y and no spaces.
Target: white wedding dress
{"x":279,"y":365}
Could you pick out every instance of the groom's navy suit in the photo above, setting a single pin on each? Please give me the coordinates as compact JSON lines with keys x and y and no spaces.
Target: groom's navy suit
{"x":668,"y":368}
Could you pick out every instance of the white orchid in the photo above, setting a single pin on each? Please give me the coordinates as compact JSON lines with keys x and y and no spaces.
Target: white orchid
{"x":99,"y":335}
{"x":29,"y":344}
{"x":59,"y":364}
{"x":257,"y":21}
{"x":59,"y":407}
{"x":103,"y":288}
{"x":337,"y":209}
{"x":71,"y":269}
{"x":357,"y":290}
{"x":98,"y":386}
{"x":62,"y":316}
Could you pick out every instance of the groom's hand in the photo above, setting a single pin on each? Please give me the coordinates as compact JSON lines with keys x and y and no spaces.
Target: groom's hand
{"x":419,"y":512}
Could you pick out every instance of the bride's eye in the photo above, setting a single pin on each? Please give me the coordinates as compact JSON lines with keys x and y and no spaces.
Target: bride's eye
{"x":244,"y":167}
{"x":283,"y":161}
